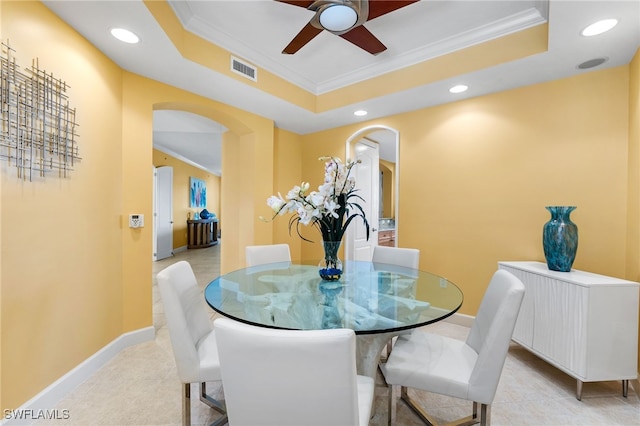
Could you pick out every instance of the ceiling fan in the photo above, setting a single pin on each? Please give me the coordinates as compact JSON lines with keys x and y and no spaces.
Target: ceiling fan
{"x":344,"y":18}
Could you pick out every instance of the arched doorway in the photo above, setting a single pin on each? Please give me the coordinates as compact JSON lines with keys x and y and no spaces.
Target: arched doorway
{"x":386,"y":141}
{"x":194,"y":143}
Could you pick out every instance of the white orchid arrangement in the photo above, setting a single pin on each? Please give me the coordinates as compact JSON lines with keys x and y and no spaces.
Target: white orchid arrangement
{"x":330,"y":209}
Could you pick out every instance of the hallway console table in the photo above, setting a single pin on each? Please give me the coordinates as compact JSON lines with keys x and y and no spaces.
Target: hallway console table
{"x":582,"y":323}
{"x":202,"y":233}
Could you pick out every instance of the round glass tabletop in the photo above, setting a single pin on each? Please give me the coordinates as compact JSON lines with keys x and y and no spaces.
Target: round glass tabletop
{"x":369,"y":297}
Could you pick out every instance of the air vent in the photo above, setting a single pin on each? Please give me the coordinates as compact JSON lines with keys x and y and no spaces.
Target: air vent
{"x":592,"y":63}
{"x":244,"y":69}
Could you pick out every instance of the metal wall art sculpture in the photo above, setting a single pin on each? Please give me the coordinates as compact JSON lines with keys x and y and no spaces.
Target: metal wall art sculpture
{"x":37,"y":125}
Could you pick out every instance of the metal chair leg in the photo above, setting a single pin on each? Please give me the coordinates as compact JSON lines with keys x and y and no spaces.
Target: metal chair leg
{"x":485,"y":415}
{"x":186,"y":404}
{"x":215,"y":404}
{"x":484,"y":419}
{"x":204,"y":397}
{"x":392,"y":405}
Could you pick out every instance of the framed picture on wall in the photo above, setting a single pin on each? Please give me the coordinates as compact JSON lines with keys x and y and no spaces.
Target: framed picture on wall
{"x":197,"y":193}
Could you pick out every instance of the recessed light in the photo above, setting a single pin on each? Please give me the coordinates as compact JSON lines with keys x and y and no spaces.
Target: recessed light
{"x":599,"y":27}
{"x":125,"y":35}
{"x":459,"y":88}
{"x":360,"y":113}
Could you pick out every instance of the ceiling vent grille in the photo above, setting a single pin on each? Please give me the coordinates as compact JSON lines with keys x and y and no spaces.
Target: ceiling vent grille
{"x":244,"y":69}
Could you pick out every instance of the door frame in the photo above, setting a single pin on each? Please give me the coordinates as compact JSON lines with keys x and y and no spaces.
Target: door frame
{"x":350,"y":154}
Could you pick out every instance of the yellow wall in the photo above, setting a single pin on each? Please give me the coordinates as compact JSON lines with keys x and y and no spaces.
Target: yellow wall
{"x":62,"y":239}
{"x":633,"y":221}
{"x":388,"y":188}
{"x":77,"y":276}
{"x":633,"y":255}
{"x":475,"y":176}
{"x":287,"y":173}
{"x":181,"y":174}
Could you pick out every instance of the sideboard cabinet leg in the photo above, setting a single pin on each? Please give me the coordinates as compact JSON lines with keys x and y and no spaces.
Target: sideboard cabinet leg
{"x":579,"y":390}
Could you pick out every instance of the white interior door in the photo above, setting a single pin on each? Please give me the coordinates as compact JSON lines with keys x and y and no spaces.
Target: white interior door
{"x":367,"y":174}
{"x":163,"y":214}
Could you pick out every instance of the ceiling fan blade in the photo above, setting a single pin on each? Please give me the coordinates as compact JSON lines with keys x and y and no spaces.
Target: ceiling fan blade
{"x":305,"y":35}
{"x":301,"y":3}
{"x":382,"y":7}
{"x":361,"y":37}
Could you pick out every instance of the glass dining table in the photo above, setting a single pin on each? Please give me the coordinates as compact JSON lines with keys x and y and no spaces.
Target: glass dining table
{"x":378,"y":301}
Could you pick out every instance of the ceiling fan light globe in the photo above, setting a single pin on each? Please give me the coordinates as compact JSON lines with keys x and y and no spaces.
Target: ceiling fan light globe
{"x":338,"y":17}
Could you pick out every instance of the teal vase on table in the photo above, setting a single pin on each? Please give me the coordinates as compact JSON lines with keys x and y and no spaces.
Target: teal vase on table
{"x":560,"y":239}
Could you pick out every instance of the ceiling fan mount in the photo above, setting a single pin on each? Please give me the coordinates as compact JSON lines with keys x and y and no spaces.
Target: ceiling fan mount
{"x":339,"y":17}
{"x":344,"y":18}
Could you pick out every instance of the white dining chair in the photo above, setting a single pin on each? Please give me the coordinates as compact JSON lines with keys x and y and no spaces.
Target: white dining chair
{"x":192,"y":336}
{"x":268,"y":253}
{"x":405,"y":259}
{"x":398,"y":256}
{"x":468,"y":370}
{"x":276,"y":377}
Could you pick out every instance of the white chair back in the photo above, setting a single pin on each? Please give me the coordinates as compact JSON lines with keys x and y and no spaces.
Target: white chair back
{"x":404,"y":257}
{"x":491,"y":332}
{"x":290,"y":377}
{"x":186,"y":316}
{"x":270,"y":253}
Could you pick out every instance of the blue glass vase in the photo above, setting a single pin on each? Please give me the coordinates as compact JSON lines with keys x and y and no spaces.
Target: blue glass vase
{"x":560,"y":239}
{"x":330,"y":267}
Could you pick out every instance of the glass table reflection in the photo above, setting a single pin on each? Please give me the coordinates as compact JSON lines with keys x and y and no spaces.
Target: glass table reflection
{"x":377,"y":301}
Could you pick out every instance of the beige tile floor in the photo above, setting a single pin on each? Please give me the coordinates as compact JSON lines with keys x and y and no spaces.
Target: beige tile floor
{"x":140,"y":385}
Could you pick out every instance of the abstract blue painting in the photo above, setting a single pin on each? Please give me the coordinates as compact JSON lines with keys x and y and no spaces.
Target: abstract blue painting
{"x":198,"y":193}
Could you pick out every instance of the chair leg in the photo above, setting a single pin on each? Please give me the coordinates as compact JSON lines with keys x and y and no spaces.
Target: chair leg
{"x":186,"y":404}
{"x":424,"y":416}
{"x":215,"y":404}
{"x":485,"y":415}
{"x":484,"y":420}
{"x":391,"y":409}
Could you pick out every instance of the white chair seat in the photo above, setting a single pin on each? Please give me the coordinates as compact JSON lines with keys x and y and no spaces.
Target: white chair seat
{"x":208,"y":355}
{"x":444,"y":363}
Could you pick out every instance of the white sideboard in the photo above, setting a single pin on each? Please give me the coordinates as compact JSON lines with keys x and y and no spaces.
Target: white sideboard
{"x":582,"y":323}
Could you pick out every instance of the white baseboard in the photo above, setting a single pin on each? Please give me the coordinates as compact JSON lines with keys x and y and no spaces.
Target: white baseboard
{"x":461,"y":319}
{"x":45,"y":401}
{"x":179,"y":249}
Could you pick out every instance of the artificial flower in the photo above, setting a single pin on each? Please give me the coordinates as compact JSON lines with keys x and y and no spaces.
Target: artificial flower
{"x":330,"y":209}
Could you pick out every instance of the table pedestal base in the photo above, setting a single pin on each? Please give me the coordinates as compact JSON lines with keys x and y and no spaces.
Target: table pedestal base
{"x":369,"y":348}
